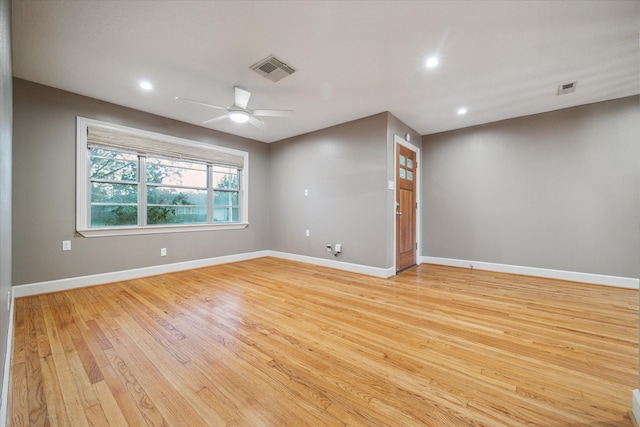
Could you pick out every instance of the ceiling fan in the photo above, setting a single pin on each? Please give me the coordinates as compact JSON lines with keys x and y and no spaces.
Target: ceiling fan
{"x":238,"y":112}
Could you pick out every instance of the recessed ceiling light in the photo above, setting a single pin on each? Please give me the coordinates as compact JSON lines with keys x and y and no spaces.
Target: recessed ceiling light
{"x":146,"y":85}
{"x":462,"y":111}
{"x":432,"y":62}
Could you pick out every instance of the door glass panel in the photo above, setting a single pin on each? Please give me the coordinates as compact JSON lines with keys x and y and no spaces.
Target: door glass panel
{"x":403,"y":173}
{"x":403,"y":160}
{"x":410,"y":163}
{"x":410,"y":175}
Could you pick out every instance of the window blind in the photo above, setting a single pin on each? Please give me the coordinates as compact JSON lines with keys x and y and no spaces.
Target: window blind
{"x":109,"y":138}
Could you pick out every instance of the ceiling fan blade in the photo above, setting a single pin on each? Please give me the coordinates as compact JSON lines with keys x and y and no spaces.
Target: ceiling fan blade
{"x":257,"y":123}
{"x":242,"y":97}
{"x":215,"y":119}
{"x":200,"y":103}
{"x":274,"y":113}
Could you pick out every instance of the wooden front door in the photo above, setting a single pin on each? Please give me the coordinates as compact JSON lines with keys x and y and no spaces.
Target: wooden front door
{"x":405,"y":208}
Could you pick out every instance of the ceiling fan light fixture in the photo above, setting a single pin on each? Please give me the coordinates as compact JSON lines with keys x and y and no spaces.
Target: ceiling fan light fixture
{"x":239,"y":116}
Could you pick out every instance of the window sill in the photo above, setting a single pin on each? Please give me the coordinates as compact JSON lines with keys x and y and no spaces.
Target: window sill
{"x":130,"y":231}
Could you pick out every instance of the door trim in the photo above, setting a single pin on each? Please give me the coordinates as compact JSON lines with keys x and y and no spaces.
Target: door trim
{"x":398,"y":140}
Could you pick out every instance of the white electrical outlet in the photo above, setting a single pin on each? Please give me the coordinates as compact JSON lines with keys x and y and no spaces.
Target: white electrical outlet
{"x":306,"y":192}
{"x":66,"y":245}
{"x":163,"y":251}
{"x":307,"y":233}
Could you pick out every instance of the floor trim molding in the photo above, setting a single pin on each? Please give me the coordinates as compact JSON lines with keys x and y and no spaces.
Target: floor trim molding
{"x":384,"y":273}
{"x":7,"y":368}
{"x":117,"y":276}
{"x":635,"y":406}
{"x":595,"y":279}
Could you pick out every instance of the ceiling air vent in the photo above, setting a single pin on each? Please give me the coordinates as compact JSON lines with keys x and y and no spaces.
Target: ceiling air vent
{"x":272,"y":68}
{"x":567,"y":88}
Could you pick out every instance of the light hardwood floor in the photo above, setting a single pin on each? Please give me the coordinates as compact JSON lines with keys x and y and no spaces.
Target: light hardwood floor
{"x":269,"y":342}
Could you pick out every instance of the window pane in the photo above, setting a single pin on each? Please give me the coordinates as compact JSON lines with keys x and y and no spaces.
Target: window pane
{"x":224,"y":177}
{"x":227,"y":214}
{"x":113,"y":204}
{"x":403,"y":160}
{"x":168,"y":205}
{"x":105,"y":193}
{"x":113,"y":215}
{"x":409,"y":163}
{"x":113,"y":165}
{"x":176,"y":172}
{"x":226,"y":206}
{"x":410,"y":175}
{"x":403,"y":173}
{"x":225,"y":198}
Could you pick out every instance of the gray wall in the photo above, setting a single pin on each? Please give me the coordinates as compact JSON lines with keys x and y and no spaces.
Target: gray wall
{"x":558,"y":190}
{"x":44,"y":192}
{"x":5,"y":176}
{"x":345,"y":170}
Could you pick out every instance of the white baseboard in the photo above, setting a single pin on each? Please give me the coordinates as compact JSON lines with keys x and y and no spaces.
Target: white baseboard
{"x":595,"y":279}
{"x":7,"y":368}
{"x":338,"y":265}
{"x":635,"y":405}
{"x":118,"y":276}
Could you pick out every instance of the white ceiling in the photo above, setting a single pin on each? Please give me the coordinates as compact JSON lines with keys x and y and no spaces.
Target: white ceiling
{"x":499,"y":59}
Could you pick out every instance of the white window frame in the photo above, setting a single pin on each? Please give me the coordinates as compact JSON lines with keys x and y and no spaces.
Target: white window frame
{"x":83,"y":190}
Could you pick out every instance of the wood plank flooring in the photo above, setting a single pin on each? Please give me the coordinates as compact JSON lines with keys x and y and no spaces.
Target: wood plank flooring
{"x":269,"y":342}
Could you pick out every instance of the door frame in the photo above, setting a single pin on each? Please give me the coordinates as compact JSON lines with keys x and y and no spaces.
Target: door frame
{"x":398,"y":140}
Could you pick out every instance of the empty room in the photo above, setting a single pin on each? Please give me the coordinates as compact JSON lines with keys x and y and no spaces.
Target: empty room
{"x":319,"y":213}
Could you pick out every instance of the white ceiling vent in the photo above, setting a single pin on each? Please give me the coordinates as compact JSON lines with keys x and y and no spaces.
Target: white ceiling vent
{"x":567,"y":88}
{"x":272,"y":68}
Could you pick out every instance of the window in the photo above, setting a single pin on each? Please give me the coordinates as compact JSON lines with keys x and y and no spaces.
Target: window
{"x":136,"y":182}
